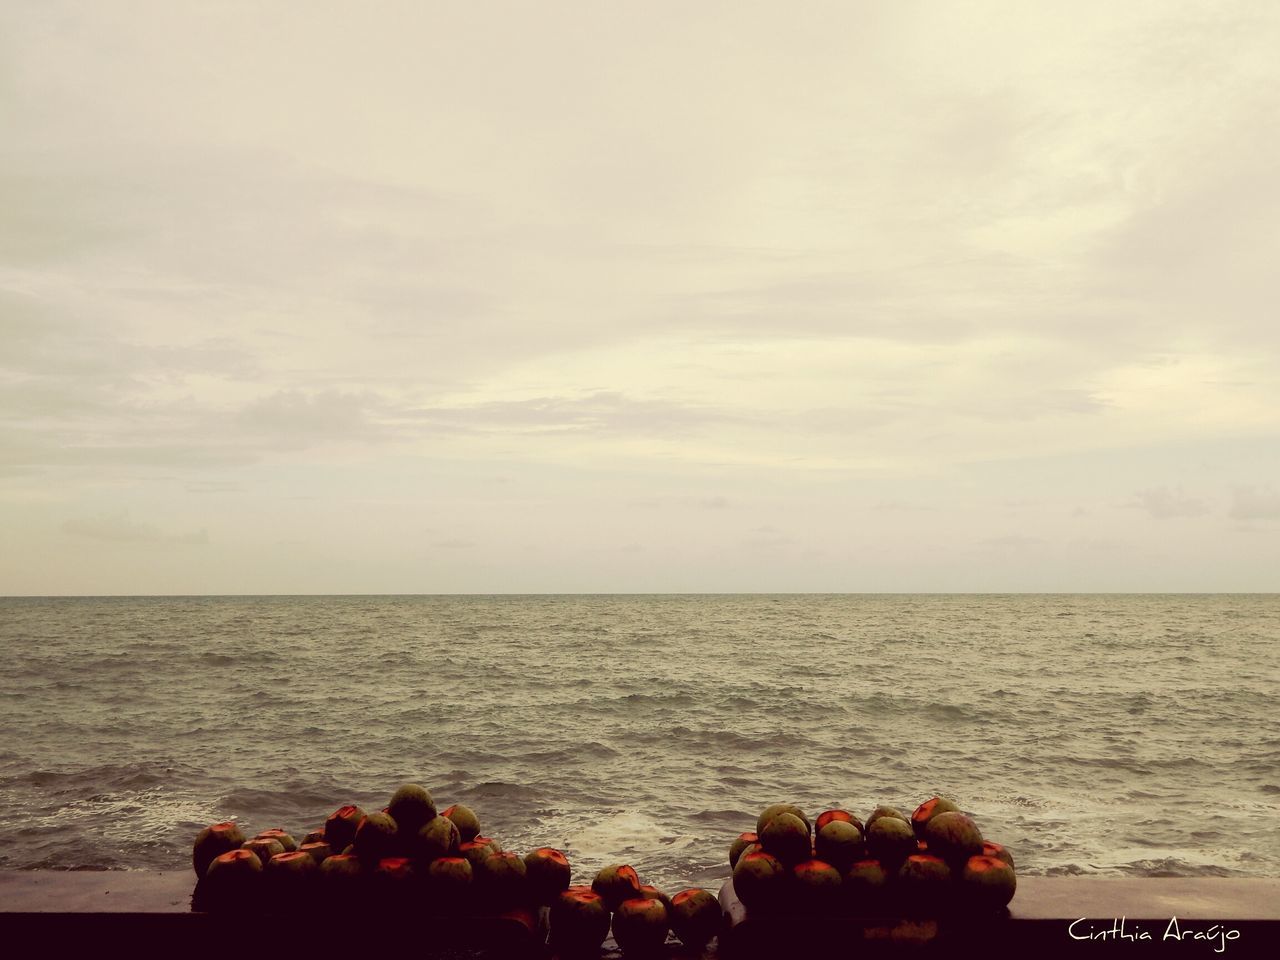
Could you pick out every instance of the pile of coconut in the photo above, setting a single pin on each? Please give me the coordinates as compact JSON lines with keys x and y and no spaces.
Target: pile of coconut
{"x":929,"y":864}
{"x":640,"y":915}
{"x":411,"y":859}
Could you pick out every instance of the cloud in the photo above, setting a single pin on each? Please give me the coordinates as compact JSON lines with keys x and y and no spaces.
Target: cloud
{"x":768,"y":536}
{"x":1163,"y":503}
{"x":1255,"y":503}
{"x":119,"y":528}
{"x":599,"y":412}
{"x":293,"y":419}
{"x":454,"y":543}
{"x":1012,"y":542}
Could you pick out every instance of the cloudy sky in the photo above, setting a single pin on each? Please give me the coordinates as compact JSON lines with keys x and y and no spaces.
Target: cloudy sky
{"x":664,"y":296}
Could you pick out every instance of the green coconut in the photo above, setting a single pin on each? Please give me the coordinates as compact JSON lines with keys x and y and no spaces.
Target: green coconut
{"x":827,"y":816}
{"x":286,"y":840}
{"x":233,"y":882}
{"x":213,"y":841}
{"x":761,"y":882}
{"x":750,"y":848}
{"x":640,"y":926}
{"x":999,"y":851}
{"x":411,"y":806}
{"x":548,"y":873}
{"x":319,"y":851}
{"x":839,"y":843}
{"x":264,"y":848}
{"x":376,"y":838}
{"x":450,"y":877}
{"x":437,"y":837}
{"x":695,"y":917}
{"x":928,"y":810}
{"x":292,"y":863}
{"x":879,"y":812}
{"x":953,"y":836}
{"x":616,"y":883}
{"x":475,"y":851}
{"x":465,"y":819}
{"x":340,"y":828}
{"x":890,"y":841}
{"x":786,"y":836}
{"x":343,"y":883}
{"x":743,"y":841}
{"x":815,"y":887}
{"x":579,"y":921}
{"x":501,"y":880}
{"x":314,"y":836}
{"x":866,"y":887}
{"x":923,"y":883}
{"x":649,"y":892}
{"x":396,"y":883}
{"x":772,"y":811}
{"x":290,"y":878}
{"x":988,"y":883}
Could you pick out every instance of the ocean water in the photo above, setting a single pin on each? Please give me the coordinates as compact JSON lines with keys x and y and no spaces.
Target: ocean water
{"x":1107,"y":734}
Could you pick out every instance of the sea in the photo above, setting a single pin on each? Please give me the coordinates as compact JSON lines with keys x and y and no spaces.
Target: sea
{"x":1120,"y":735}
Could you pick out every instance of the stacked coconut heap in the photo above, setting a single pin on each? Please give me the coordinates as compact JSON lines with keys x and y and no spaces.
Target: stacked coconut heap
{"x":640,"y":915}
{"x":406,"y":855}
{"x":412,"y":859}
{"x":931,"y":863}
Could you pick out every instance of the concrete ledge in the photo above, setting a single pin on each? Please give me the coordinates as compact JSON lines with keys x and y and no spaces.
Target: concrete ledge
{"x":149,"y":914}
{"x":1049,"y":917}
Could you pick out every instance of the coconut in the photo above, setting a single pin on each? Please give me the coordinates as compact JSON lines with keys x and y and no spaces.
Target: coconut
{"x":827,"y":816}
{"x":839,"y":843}
{"x":340,"y":828}
{"x":343,"y":886}
{"x":640,"y":926}
{"x":616,"y":883}
{"x":475,"y":851}
{"x":579,"y":921}
{"x":233,"y":882}
{"x":735,"y":849}
{"x":928,"y":810}
{"x":411,"y":806}
{"x":761,"y":882}
{"x":923,"y":883}
{"x":786,"y":836}
{"x":213,"y":841}
{"x":548,"y":872}
{"x":865,"y":886}
{"x":695,"y":917}
{"x":437,"y":837}
{"x":953,"y":836}
{"x":465,"y":819}
{"x":649,"y":892}
{"x":879,"y":812}
{"x":988,"y":882}
{"x":290,"y":879}
{"x":286,"y":840}
{"x":816,"y":887}
{"x":501,"y":880}
{"x":318,"y":851}
{"x":999,"y":851}
{"x":772,"y":811}
{"x":890,"y":841}
{"x":376,"y":838}
{"x":264,"y":848}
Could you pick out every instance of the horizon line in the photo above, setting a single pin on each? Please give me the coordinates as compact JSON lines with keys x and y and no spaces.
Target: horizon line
{"x":650,"y":593}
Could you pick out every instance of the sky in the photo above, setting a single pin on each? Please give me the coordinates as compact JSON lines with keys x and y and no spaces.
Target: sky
{"x":340,"y":297}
